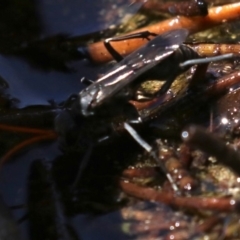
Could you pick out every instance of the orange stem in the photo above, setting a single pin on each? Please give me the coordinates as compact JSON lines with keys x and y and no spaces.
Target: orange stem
{"x":14,"y":150}
{"x":194,"y":202}
{"x":10,"y":128}
{"x":216,"y":16}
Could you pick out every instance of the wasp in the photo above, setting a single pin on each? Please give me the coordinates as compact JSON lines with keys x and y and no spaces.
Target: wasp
{"x":164,"y":58}
{"x":102,"y":110}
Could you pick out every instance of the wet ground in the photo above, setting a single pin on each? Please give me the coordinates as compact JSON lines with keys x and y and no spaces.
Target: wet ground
{"x":29,"y":79}
{"x":34,"y":73}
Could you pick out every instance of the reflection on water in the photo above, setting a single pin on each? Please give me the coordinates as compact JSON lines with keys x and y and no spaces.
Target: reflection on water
{"x":37,"y":71}
{"x":82,"y":17}
{"x":35,"y":87}
{"x":40,"y":68}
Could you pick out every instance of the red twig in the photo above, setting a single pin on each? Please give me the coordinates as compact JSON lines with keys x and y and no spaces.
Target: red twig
{"x":10,"y":128}
{"x":202,"y":203}
{"x":50,"y":136}
{"x":216,"y":16}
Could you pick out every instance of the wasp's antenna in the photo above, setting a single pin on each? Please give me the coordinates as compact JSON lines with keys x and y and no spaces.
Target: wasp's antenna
{"x":152,"y":153}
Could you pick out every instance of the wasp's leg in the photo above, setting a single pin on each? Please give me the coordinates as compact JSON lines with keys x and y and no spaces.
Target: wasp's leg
{"x":196,"y":61}
{"x":86,"y":81}
{"x":85,"y":162}
{"x":82,"y":166}
{"x":199,"y":75}
{"x":152,"y":153}
{"x":166,"y":85}
{"x":114,"y":53}
{"x":202,"y":65}
{"x":208,"y":59}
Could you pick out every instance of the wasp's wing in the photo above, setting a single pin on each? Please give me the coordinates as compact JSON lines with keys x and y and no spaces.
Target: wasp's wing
{"x":157,"y":49}
{"x":135,"y":64}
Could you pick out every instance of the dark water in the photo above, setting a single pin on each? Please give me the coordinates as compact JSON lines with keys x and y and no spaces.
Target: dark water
{"x":37,"y":76}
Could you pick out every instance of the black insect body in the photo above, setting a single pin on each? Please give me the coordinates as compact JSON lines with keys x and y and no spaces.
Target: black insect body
{"x":98,"y":116}
{"x":163,"y":58}
{"x":136,"y":66}
{"x":95,"y":114}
